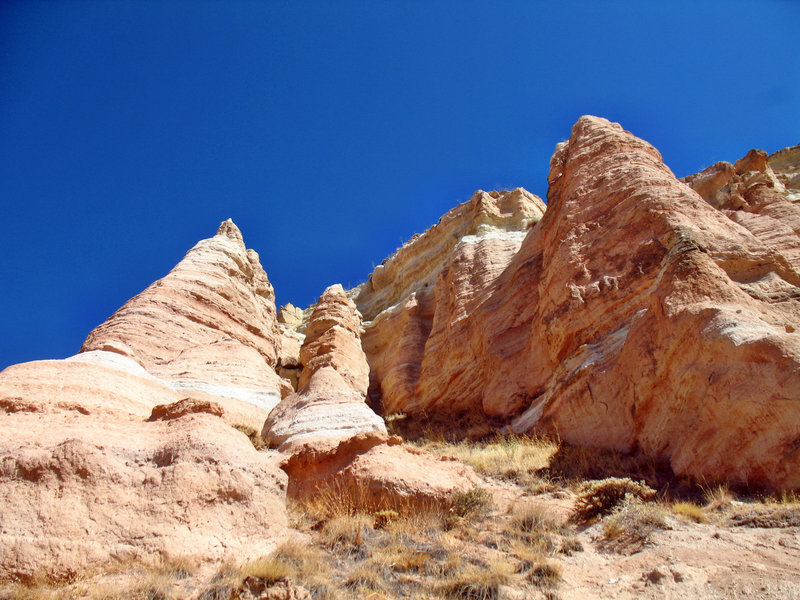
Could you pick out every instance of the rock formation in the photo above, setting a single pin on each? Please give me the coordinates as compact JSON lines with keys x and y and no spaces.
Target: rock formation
{"x":120,"y":452}
{"x":332,"y":440}
{"x":639,"y":312}
{"x":207,"y":328}
{"x":634,"y":315}
{"x":421,"y":298}
{"x":86,"y":479}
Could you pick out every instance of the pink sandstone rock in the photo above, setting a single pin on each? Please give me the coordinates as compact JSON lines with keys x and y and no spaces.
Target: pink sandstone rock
{"x":331,"y":439}
{"x":206,"y":328}
{"x":635,"y":315}
{"x":86,"y":480}
{"x":333,"y":338}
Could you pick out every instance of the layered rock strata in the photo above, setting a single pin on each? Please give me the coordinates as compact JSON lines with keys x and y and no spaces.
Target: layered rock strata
{"x":650,"y":330}
{"x":636,"y":315}
{"x":89,"y":476}
{"x":206,"y":328}
{"x":123,"y":451}
{"x":332,"y":441}
{"x":420,"y":299}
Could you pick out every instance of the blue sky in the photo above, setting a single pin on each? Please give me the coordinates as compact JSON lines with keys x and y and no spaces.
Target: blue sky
{"x":332,"y":131}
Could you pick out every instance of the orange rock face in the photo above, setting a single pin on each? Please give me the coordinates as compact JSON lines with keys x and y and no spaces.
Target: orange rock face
{"x":331,"y":439}
{"x":86,"y":479}
{"x":650,"y":322}
{"x":634,"y":315}
{"x":208,"y":327}
{"x":419,"y":301}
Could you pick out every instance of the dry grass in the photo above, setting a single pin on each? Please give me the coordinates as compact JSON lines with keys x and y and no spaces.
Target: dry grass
{"x":253,"y":435}
{"x":690,"y":511}
{"x":475,"y":582}
{"x":518,"y":459}
{"x":717,"y":497}
{"x":347,"y":533}
{"x":631,"y":524}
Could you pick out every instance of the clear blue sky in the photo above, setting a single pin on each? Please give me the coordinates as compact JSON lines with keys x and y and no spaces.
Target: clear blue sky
{"x":332,"y":131}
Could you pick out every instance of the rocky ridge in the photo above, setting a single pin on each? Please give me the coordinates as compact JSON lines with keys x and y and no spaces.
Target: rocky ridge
{"x":639,"y":312}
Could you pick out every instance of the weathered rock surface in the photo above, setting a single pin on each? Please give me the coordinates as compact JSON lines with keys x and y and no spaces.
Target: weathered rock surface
{"x":651,"y":319}
{"x":634,"y":315}
{"x":420,"y":299}
{"x":208,"y":327}
{"x":333,"y":339}
{"x":332,"y":440}
{"x":323,"y":413}
{"x":122,"y":452}
{"x":86,"y":479}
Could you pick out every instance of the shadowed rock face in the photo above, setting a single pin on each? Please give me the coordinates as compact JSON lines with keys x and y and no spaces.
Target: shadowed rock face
{"x":636,"y":314}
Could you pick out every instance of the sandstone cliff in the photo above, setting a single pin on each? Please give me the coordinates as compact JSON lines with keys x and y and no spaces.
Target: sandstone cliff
{"x":634,"y":315}
{"x":119,"y":453}
{"x":639,"y":312}
{"x":421,"y":297}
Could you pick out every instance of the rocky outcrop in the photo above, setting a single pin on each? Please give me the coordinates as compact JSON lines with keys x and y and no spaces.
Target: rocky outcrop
{"x":333,"y":339}
{"x":418,"y":301}
{"x":207,"y":328}
{"x":786,"y":166}
{"x":329,"y":406}
{"x":123,"y":451}
{"x":331,"y":440}
{"x":636,"y":315}
{"x":86,"y":480}
{"x":646,"y":333}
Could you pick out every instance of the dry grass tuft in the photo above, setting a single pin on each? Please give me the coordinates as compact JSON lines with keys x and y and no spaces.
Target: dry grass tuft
{"x":269,"y":569}
{"x":532,"y":518}
{"x":253,"y":435}
{"x":717,"y":497}
{"x":545,"y":574}
{"x":598,"y":498}
{"x":629,"y":527}
{"x":347,"y":533}
{"x":474,"y":582}
{"x":690,"y":511}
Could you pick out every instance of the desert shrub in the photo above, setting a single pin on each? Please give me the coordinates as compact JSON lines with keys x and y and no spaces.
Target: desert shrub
{"x":546,"y":574}
{"x":383,"y":517}
{"x":476,"y":502}
{"x":570,"y":545}
{"x":598,"y":498}
{"x":629,"y":527}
